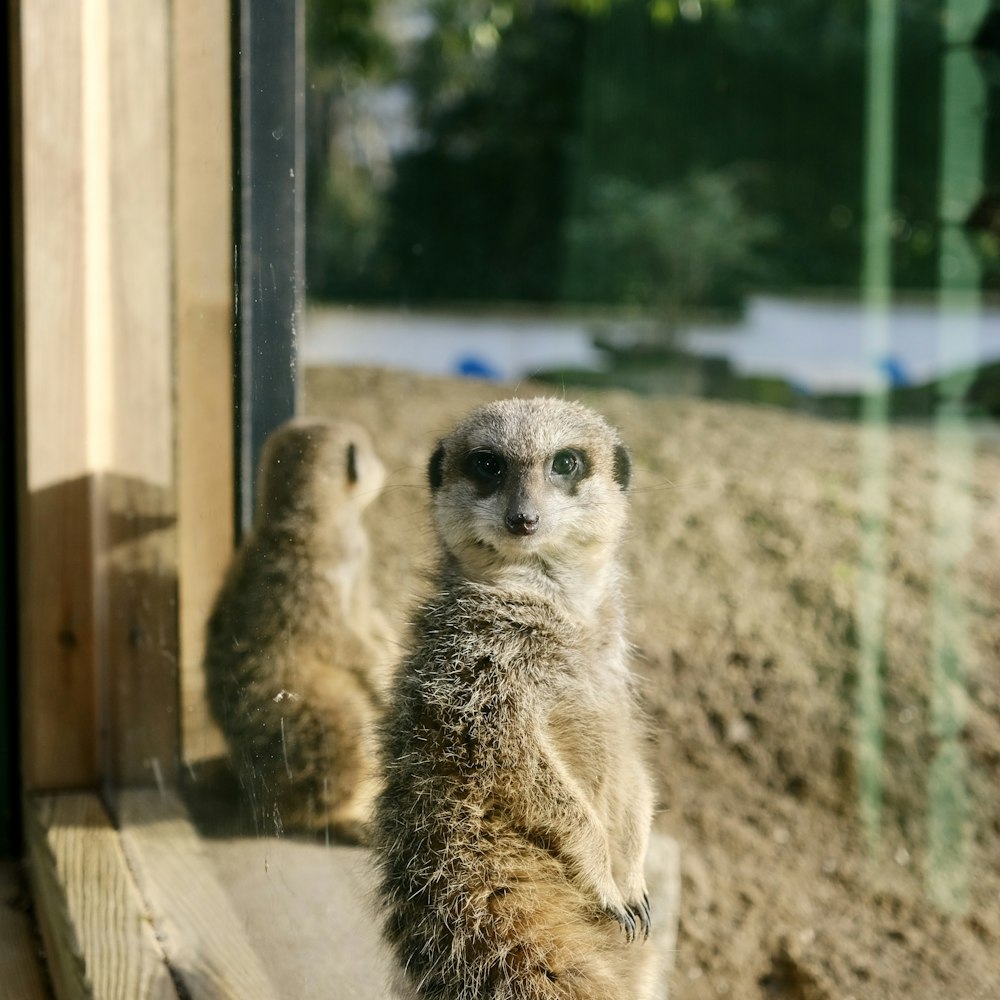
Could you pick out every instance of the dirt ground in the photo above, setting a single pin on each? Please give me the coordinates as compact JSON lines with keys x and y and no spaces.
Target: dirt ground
{"x":744,"y":560}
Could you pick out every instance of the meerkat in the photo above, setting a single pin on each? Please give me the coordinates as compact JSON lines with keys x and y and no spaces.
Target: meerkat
{"x":297,"y":654}
{"x":511,"y":832}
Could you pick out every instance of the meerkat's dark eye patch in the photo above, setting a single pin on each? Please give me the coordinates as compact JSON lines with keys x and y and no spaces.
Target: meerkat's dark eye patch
{"x":623,"y":466}
{"x":352,"y":463}
{"x":485,"y":468}
{"x":569,"y":464}
{"x":435,"y":470}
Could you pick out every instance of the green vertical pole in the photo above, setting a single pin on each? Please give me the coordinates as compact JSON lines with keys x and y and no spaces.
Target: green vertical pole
{"x":877,"y":291}
{"x":959,"y":298}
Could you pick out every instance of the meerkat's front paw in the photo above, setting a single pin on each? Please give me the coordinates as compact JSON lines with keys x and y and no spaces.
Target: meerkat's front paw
{"x":625,"y":918}
{"x":632,"y":916}
{"x":614,"y":905}
{"x":640,"y":914}
{"x":633,"y":919}
{"x":637,"y":901}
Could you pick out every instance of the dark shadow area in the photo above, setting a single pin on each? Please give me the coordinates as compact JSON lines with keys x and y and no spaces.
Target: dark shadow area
{"x":220,"y":808}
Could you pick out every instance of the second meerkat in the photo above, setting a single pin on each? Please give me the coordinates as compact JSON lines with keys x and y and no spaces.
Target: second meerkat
{"x":512,"y":829}
{"x":297,"y":651}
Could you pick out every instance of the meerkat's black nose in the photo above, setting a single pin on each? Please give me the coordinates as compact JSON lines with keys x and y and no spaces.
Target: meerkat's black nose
{"x":521,"y":523}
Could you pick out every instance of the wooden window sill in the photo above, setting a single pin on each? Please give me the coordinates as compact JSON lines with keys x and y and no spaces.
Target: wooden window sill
{"x":153,"y":909}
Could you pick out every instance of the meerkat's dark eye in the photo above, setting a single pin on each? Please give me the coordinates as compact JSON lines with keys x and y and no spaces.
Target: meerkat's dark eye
{"x":485,"y":467}
{"x":565,"y":463}
{"x":352,"y":463}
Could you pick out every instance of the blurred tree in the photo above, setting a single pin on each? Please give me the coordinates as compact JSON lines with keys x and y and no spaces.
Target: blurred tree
{"x":777,"y":88}
{"x":476,"y":208}
{"x":342,"y":36}
{"x":533,"y":113}
{"x":684,"y":245}
{"x":345,"y":47}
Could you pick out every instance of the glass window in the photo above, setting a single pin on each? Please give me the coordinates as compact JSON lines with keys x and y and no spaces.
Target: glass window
{"x":753,"y":236}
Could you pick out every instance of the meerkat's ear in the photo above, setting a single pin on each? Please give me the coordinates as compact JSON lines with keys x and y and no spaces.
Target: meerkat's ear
{"x":435,"y":473}
{"x":623,"y":466}
{"x":352,"y":463}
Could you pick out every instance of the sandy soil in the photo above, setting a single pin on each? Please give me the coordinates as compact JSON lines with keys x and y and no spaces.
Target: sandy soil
{"x":744,"y":560}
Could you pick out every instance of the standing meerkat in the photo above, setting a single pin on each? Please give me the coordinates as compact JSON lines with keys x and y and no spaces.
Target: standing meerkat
{"x":511,"y":833}
{"x":297,"y":655}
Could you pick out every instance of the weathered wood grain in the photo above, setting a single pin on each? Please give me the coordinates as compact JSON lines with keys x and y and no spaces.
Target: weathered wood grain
{"x":55,"y":501}
{"x":94,"y":386}
{"x":97,"y":933}
{"x":139,"y":505}
{"x":203,"y":307}
{"x":200,"y":932}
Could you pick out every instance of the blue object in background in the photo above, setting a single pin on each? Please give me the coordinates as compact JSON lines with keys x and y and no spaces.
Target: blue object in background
{"x":894,"y":371}
{"x":473,"y":367}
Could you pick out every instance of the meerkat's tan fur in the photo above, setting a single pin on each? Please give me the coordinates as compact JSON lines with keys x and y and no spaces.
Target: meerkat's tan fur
{"x":512,"y":829}
{"x":297,"y":653}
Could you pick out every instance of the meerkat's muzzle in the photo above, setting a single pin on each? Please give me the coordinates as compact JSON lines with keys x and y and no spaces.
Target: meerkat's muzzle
{"x":522,"y":515}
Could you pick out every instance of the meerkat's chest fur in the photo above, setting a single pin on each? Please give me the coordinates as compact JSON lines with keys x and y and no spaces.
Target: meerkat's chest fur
{"x":497,"y":667}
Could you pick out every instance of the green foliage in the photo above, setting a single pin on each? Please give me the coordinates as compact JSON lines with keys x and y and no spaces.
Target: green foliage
{"x":663,"y":12}
{"x":586,"y":149}
{"x":457,"y":57}
{"x":475,"y":210}
{"x":352,"y":211}
{"x":667,"y":247}
{"x":342,"y":38}
{"x":345,"y":48}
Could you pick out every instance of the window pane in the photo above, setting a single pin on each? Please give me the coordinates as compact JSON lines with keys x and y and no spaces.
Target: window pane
{"x":760,"y":239}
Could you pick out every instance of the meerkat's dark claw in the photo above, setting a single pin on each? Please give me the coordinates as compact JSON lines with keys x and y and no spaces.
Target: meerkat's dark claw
{"x":625,"y":920}
{"x":641,"y":911}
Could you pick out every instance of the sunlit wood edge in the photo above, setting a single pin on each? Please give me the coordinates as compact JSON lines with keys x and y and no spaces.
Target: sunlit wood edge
{"x":107,"y":939}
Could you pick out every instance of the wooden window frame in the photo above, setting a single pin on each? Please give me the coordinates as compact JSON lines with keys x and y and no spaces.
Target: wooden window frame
{"x":269,"y":214}
{"x":150,"y":361}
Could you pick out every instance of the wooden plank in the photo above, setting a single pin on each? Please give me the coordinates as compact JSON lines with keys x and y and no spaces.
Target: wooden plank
{"x":140,"y":579}
{"x":226,"y":910}
{"x":203,"y":938}
{"x":22,"y":976}
{"x":139,"y":501}
{"x":307,"y":912}
{"x":94,"y":368}
{"x":53,"y":222}
{"x":97,"y":933}
{"x":59,"y":641}
{"x":139,"y":225}
{"x":203,"y":307}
